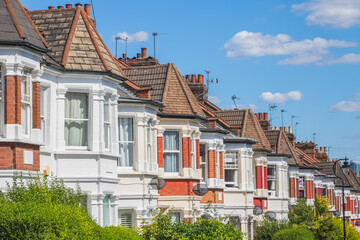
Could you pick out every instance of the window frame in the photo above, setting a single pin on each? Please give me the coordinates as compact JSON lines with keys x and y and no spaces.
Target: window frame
{"x":107,"y":123}
{"x":43,"y":111}
{"x":26,"y":102}
{"x":193,"y":151}
{"x":176,"y":216}
{"x":203,"y":163}
{"x":85,"y":147}
{"x":302,"y":187}
{"x":131,"y":166}
{"x":272,"y":178}
{"x":178,"y":152}
{"x":232,"y":166}
{"x":149,"y":140}
{"x":126,"y":211}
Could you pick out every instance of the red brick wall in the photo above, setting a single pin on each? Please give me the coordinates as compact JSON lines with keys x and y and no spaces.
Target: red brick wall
{"x":347,"y":205}
{"x":160,"y":152}
{"x":213,"y":197}
{"x":178,"y":187}
{"x":221,"y":162}
{"x":318,"y":192}
{"x":186,"y":152}
{"x":36,"y":105}
{"x":297,"y":187}
{"x":212,"y":164}
{"x":12,"y":156}
{"x":197,"y":154}
{"x":12,"y":97}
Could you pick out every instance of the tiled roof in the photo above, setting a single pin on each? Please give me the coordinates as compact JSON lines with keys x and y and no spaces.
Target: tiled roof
{"x":306,"y":159}
{"x":247,"y":123}
{"x":327,"y":168}
{"x":17,"y":27}
{"x":167,"y":86}
{"x":279,"y":140}
{"x":74,"y":41}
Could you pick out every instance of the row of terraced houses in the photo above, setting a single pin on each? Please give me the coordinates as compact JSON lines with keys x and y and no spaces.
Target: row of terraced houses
{"x":68,"y":108}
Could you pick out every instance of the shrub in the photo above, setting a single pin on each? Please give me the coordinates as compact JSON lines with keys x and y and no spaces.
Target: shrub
{"x":115,"y":233}
{"x":30,"y":220}
{"x":266,"y":229}
{"x":295,"y":233}
{"x":302,"y":214}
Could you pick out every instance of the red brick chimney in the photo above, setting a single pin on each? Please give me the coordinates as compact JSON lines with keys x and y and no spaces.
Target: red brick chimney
{"x":51,"y":7}
{"x":68,"y":5}
{"x":193,"y":78}
{"x":201,"y":78}
{"x":87,"y":9}
{"x":143,"y":52}
{"x":266,"y":116}
{"x":260,"y":116}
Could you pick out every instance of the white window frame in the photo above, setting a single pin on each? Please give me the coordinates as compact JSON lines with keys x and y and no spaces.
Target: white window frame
{"x":126,"y":211}
{"x":193,"y":151}
{"x":43,"y":111}
{"x":121,"y":141}
{"x":217,"y":164}
{"x":149,"y":140}
{"x":272,"y":178}
{"x":233,"y":166}
{"x":203,"y":163}
{"x":176,"y":216}
{"x":178,"y":152}
{"x":303,"y":186}
{"x":80,"y":119}
{"x":26,"y":92}
{"x":107,"y":124}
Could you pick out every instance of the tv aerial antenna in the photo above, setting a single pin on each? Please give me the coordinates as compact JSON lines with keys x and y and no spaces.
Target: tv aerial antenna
{"x":282,"y":117}
{"x":272,"y":107}
{"x":234,"y":97}
{"x":292,"y":120}
{"x":199,"y":190}
{"x":155,"y":34}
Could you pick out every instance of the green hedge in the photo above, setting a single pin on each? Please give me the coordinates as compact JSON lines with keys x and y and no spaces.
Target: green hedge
{"x":116,"y":233}
{"x":294,"y":234}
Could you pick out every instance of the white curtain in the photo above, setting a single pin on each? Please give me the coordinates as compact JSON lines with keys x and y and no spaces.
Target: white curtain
{"x":76,"y":119}
{"x":126,"y":143}
{"x":106,"y":211}
{"x":171,"y":158}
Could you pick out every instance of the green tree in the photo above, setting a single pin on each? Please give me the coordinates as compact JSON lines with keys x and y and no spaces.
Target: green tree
{"x":295,"y":233}
{"x":321,"y":206}
{"x":266,"y":229}
{"x":302,"y":214}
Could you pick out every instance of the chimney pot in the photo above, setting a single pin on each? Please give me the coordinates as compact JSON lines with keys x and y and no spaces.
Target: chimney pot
{"x":193,"y":78}
{"x":272,"y":128}
{"x":60,"y":7}
{"x":290,"y":129}
{"x":201,"y":78}
{"x":325,"y":149}
{"x":138,"y":55}
{"x":285,"y":129}
{"x":78,"y":5}
{"x":321,"y":149}
{"x":143,"y":52}
{"x":266,"y":116}
{"x":276,"y":128}
{"x":316,"y":150}
{"x":68,"y":5}
{"x":187,"y":77}
{"x":87,"y":9}
{"x":260,"y":116}
{"x":51,"y":7}
{"x":281,"y":128}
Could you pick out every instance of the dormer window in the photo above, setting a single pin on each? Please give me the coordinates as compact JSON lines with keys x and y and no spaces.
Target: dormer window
{"x":26,"y":102}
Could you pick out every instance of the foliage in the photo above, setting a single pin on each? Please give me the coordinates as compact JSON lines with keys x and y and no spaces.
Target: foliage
{"x":20,"y":220}
{"x":267,"y":228}
{"x":302,"y":214}
{"x":295,"y":233}
{"x":163,"y":228}
{"x":115,"y":233}
{"x":351,"y":232}
{"x":321,"y":206}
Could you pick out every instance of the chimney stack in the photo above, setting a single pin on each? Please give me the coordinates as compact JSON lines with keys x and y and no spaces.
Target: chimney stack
{"x":266,"y":116}
{"x":143,"y":52}
{"x":260,"y":116}
{"x":60,"y":7}
{"x":87,"y":9}
{"x":193,"y":78}
{"x":201,"y":78}
{"x":51,"y":7}
{"x":68,"y":5}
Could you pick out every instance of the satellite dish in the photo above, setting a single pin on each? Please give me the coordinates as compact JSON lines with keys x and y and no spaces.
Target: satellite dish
{"x":200,"y":189}
{"x":157,"y":183}
{"x":337,"y":213}
{"x":206,"y":216}
{"x":257,"y":211}
{"x":357,"y":223}
{"x":270,"y":215}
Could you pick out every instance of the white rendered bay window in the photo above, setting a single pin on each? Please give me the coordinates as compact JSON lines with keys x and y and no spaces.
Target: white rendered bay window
{"x":171,"y":151}
{"x":76,"y":119}
{"x":271,"y":179}
{"x":231,"y":168}
{"x":126,"y":142}
{"x":193,"y":151}
{"x":26,"y":102}
{"x":107,"y":122}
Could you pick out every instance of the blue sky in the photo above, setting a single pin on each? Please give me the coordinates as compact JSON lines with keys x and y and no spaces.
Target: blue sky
{"x":304,"y":55}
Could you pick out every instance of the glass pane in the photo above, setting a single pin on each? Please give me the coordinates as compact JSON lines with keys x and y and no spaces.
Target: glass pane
{"x":106,"y":211}
{"x":271,"y":171}
{"x":271,"y":185}
{"x":25,"y":108}
{"x":42,"y":102}
{"x":76,"y":133}
{"x":126,"y":152}
{"x":171,"y":162}
{"x":76,"y":105}
{"x":171,"y":140}
{"x":106,"y":135}
{"x":126,"y":219}
{"x":126,"y":129}
{"x":106,"y":109}
{"x":176,"y":217}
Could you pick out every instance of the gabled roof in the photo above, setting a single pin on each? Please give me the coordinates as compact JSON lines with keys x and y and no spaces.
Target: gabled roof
{"x":306,"y":159}
{"x":167,"y":86}
{"x":327,"y":168}
{"x":280,"y":143}
{"x":248,"y":125}
{"x":74,"y":41}
{"x":16,"y":27}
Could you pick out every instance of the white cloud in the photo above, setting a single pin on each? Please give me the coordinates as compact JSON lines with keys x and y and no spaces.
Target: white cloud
{"x":253,"y":107}
{"x":135,"y":37}
{"x":336,"y":13}
{"x":214,"y":99}
{"x":350,"y":58}
{"x":281,"y":98}
{"x":356,"y":97}
{"x":346,"y":106}
{"x":249,"y":44}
